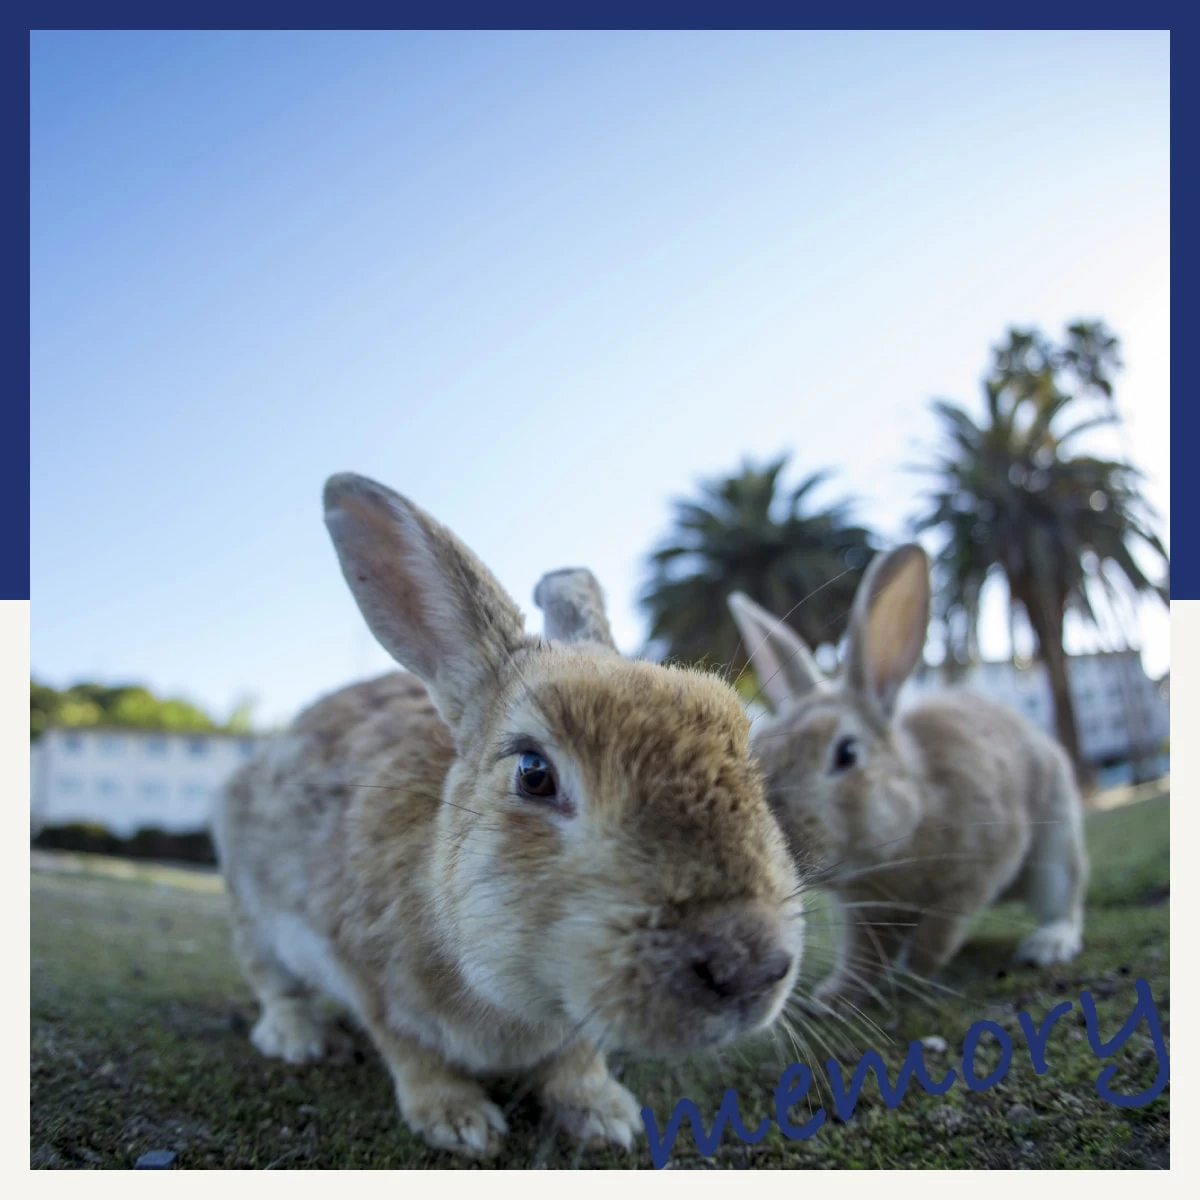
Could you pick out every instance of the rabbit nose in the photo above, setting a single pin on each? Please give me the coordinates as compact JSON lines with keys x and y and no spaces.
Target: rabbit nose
{"x":729,"y":973}
{"x":735,"y":954}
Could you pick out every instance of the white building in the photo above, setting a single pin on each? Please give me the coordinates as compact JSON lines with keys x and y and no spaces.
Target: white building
{"x":1119,"y":711}
{"x":130,"y":779}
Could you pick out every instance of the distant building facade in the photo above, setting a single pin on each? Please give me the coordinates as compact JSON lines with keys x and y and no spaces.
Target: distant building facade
{"x":1120,"y":713}
{"x":130,"y":779}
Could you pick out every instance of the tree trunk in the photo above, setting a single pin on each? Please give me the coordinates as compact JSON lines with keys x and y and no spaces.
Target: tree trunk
{"x":1055,"y":659}
{"x":1046,"y":620}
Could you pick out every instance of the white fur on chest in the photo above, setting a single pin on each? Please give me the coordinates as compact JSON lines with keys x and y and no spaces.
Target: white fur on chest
{"x":310,"y":956}
{"x":488,"y":1042}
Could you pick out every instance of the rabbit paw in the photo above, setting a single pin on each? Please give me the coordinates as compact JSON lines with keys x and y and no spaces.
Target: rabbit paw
{"x":595,"y":1110}
{"x":456,"y":1116}
{"x":287,"y":1030}
{"x":1058,"y":942}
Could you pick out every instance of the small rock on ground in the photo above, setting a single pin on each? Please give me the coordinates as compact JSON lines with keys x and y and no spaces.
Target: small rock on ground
{"x":934,"y":1044}
{"x":947,"y":1118}
{"x":155,"y":1160}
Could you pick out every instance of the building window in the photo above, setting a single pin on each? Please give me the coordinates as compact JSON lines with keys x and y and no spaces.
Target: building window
{"x":69,"y":785}
{"x":156,"y":747}
{"x":153,"y":789}
{"x":72,"y":743}
{"x":197,"y":747}
{"x":111,"y":743}
{"x":108,"y":787}
{"x":196,"y":791}
{"x":246,"y":748}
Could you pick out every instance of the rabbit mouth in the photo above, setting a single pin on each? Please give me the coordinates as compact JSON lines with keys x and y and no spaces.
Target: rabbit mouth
{"x":677,"y":1030}
{"x":711,"y":994}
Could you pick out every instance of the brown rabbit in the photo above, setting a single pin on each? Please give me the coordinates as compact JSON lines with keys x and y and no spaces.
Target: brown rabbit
{"x":914,"y":819}
{"x":516,"y":859}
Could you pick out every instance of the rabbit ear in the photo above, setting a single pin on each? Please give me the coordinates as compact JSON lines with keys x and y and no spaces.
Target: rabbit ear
{"x":430,"y":602}
{"x":574,"y":606}
{"x":888,"y":626}
{"x":785,"y":667}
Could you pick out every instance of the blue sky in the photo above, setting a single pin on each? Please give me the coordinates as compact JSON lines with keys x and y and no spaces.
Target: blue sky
{"x":540,"y":283}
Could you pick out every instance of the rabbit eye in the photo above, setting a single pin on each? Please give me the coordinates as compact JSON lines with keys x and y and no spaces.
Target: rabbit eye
{"x":845,"y":754}
{"x":534,"y":777}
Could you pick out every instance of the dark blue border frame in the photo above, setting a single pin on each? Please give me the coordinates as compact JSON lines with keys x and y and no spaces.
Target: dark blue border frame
{"x":1185,"y":421}
{"x":14,"y":271}
{"x":466,"y":14}
{"x":582,"y":14}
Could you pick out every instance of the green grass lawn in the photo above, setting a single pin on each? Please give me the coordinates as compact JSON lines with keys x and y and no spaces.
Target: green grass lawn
{"x":139,"y":1024}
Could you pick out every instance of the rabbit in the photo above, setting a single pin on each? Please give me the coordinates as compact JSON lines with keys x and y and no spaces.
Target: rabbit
{"x":513,"y":858}
{"x":914,"y":819}
{"x":574,"y":610}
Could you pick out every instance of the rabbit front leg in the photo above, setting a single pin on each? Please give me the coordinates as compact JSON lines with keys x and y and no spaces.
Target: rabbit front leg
{"x":438,"y":1102}
{"x":942,"y":928}
{"x":288,"y":1026}
{"x":581,"y":1095}
{"x":1055,"y":879}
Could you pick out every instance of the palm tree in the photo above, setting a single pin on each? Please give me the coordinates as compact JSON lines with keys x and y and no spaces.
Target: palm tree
{"x":746,"y":533}
{"x":1011,"y":497}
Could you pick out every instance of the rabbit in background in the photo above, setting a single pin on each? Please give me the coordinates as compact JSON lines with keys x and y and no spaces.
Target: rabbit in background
{"x":518,"y":858}
{"x":914,"y":819}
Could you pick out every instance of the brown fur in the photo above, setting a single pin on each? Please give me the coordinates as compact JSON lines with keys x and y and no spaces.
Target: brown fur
{"x":380,"y":852}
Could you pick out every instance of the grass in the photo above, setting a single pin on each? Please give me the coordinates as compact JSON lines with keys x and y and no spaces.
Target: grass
{"x":139,"y":1020}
